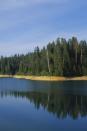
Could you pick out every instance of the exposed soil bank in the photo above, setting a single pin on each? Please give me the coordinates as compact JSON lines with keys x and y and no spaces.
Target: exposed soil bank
{"x":45,"y":78}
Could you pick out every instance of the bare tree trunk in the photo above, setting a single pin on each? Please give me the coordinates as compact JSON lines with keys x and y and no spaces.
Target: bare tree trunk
{"x":48,"y":61}
{"x":76,"y":57}
{"x":81,"y":56}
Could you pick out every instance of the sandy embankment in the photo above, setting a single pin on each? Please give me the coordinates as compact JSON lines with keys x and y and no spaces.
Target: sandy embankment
{"x":45,"y":78}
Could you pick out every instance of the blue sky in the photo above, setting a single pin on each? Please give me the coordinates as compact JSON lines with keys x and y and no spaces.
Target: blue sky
{"x":25,"y":24}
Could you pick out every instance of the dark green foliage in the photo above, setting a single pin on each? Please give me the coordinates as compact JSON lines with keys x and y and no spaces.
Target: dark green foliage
{"x":59,"y":58}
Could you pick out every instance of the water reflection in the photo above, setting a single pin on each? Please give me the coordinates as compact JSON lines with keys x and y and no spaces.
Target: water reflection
{"x":61,"y":105}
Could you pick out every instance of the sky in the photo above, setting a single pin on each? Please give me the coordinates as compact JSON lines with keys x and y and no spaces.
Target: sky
{"x":25,"y":24}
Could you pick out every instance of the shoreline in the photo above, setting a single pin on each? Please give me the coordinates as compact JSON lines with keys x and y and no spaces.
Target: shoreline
{"x":46,"y":78}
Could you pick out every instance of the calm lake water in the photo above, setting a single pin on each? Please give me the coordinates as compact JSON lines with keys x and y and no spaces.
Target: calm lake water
{"x":42,"y":106}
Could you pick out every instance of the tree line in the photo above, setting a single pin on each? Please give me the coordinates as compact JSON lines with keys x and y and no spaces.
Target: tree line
{"x":59,"y":58}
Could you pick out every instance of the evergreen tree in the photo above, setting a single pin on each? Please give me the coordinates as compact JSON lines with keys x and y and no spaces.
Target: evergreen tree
{"x":60,"y":58}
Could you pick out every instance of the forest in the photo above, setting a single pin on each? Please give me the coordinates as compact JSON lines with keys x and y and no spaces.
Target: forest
{"x":59,"y":58}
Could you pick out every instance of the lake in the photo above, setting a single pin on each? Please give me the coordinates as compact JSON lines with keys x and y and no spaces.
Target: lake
{"x":42,"y":106}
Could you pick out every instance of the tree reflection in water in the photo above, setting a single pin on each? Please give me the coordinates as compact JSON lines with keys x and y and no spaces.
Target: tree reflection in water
{"x":61,"y":106}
